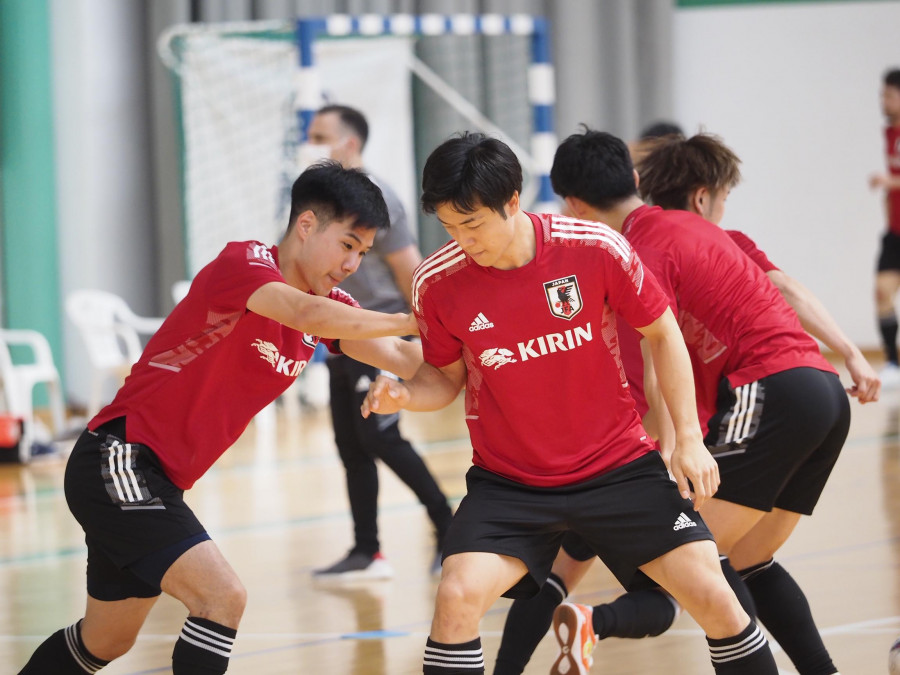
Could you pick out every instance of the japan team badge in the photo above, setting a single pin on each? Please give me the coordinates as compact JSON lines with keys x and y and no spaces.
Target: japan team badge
{"x":563,"y":297}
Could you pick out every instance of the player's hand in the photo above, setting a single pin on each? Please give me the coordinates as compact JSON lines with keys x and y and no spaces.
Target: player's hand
{"x":386,"y":396}
{"x":692,"y":461}
{"x":878,"y":181}
{"x":866,"y":383}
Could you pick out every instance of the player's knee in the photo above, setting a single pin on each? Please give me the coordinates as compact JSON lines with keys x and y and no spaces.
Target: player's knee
{"x":225,"y":606}
{"x":111,"y":644}
{"x":235,"y":601}
{"x":458,"y":594}
{"x":718,"y":609}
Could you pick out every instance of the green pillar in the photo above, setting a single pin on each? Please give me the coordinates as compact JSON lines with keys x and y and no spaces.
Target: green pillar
{"x":30,"y":274}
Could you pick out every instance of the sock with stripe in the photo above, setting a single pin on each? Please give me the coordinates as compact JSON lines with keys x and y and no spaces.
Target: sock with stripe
{"x":63,"y":653}
{"x":526,"y":624}
{"x":465,"y":658}
{"x":203,"y":648}
{"x":784,"y":610}
{"x":738,"y":585}
{"x":746,"y":653}
{"x":887,"y":326}
{"x":638,"y":614}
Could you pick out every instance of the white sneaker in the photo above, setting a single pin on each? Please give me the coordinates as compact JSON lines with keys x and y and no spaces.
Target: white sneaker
{"x":890,"y":376}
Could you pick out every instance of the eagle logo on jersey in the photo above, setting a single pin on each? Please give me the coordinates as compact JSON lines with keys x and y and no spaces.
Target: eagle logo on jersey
{"x":563,"y":297}
{"x":496,"y":357}
{"x":267,"y":351}
{"x":282,"y":364}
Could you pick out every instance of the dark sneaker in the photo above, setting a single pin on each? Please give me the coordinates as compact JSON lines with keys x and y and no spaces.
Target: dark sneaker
{"x":357,"y":566}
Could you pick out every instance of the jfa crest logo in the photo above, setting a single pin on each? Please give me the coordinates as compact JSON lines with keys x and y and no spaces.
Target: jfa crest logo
{"x":563,"y":297}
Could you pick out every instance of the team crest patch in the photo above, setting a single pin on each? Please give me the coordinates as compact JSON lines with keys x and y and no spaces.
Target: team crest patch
{"x":563,"y":297}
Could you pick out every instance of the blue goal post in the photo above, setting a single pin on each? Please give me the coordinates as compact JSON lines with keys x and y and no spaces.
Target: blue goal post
{"x":540,"y":78}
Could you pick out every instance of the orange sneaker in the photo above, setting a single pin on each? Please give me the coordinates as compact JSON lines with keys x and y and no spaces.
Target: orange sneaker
{"x":575,"y":633}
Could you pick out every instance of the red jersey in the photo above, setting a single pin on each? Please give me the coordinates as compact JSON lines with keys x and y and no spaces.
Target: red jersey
{"x":748,"y":246}
{"x":629,"y":339}
{"x":211,"y":366}
{"x":547,"y":401}
{"x":735,"y":322}
{"x":892,"y":141}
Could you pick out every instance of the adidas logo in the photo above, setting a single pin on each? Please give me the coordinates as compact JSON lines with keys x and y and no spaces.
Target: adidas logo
{"x":480,"y":322}
{"x":683,"y":521}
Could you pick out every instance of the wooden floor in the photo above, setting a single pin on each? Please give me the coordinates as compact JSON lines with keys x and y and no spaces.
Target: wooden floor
{"x":276,"y":506}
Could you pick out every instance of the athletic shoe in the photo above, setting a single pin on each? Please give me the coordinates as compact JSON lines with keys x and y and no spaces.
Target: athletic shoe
{"x":574,"y":631}
{"x":890,"y":376}
{"x":357,"y":565}
{"x":894,"y":658}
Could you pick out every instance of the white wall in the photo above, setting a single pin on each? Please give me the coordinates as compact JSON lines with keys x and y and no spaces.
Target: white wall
{"x":102,"y":170}
{"x":794,"y":90}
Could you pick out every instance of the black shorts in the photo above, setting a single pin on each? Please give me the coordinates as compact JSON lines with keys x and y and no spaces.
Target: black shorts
{"x":135,"y":521}
{"x":628,"y":517}
{"x":776,"y":440}
{"x":889,"y":256}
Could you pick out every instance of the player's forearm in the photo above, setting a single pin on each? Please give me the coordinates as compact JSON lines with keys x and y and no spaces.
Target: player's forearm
{"x":675,"y":378}
{"x":433,"y":388}
{"x":390,"y":354}
{"x":325,"y":317}
{"x":814,"y":317}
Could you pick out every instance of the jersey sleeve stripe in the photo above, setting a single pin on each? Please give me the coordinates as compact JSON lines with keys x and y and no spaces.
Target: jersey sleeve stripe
{"x":438,"y":261}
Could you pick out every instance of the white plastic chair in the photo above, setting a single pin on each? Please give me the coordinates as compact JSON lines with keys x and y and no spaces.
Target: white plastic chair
{"x":19,"y":381}
{"x":111,"y":334}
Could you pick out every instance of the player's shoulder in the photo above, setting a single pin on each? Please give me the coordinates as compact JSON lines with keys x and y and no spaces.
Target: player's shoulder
{"x":251,"y":252}
{"x":437,"y":267}
{"x":568,"y":232}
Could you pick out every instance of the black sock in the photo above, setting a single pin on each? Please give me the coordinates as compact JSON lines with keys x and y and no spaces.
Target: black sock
{"x":63,"y":653}
{"x":887,"y":325}
{"x":526,"y":624}
{"x":465,"y":658}
{"x":784,"y":611}
{"x":637,"y":614}
{"x":203,"y":648}
{"x":747,"y":653}
{"x":739,"y":586}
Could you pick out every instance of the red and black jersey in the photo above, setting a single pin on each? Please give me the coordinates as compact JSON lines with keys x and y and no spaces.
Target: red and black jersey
{"x":735,"y":322}
{"x":547,"y":401}
{"x":892,"y":151}
{"x":211,"y":366}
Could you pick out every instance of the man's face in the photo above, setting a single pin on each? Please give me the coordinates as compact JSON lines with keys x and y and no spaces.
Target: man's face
{"x":483,"y":233}
{"x":890,"y":103}
{"x":326,"y":129}
{"x":333,"y":253}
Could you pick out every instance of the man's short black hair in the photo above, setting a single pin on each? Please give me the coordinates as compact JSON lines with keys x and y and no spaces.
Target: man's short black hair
{"x":660,"y":129}
{"x":892,"y":78}
{"x":350,"y":117}
{"x":333,"y":192}
{"x":471,"y":171}
{"x":595,"y":167}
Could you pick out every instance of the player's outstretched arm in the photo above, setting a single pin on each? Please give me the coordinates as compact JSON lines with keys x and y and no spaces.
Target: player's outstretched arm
{"x":387,"y":353}
{"x":818,"y":322}
{"x":690,"y":458}
{"x":429,"y":389}
{"x":325,"y":317}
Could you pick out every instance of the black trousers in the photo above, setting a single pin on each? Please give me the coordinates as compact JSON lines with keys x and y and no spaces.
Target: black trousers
{"x":360,"y":441}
